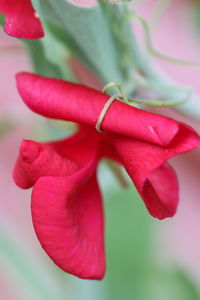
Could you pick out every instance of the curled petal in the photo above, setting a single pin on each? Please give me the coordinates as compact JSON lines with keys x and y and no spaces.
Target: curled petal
{"x":68,"y":219}
{"x":160,"y":192}
{"x":21,"y":19}
{"x":36,"y":160}
{"x":185,"y":140}
{"x":155,"y":180}
{"x":59,"y":99}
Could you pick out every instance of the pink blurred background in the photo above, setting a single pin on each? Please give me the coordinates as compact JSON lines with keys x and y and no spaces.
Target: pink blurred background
{"x":177,"y":239}
{"x":177,"y":36}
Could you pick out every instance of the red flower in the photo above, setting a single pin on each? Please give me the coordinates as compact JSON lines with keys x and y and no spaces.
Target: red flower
{"x":66,"y":202}
{"x":21,"y":19}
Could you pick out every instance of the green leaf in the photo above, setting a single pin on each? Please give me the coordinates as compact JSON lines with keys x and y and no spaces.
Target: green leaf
{"x":50,"y":57}
{"x":92,"y":35}
{"x":41,"y":64}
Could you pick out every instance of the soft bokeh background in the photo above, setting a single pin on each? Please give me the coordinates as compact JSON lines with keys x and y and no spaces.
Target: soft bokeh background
{"x":146,"y":258}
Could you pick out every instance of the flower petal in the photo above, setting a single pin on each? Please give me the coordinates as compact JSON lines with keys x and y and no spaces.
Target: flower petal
{"x":68,"y":219}
{"x":81,"y":147}
{"x":155,"y":181}
{"x":21,"y":19}
{"x":160,"y":192}
{"x":71,"y":147}
{"x":58,"y":99}
{"x":36,"y":160}
{"x":66,"y":203}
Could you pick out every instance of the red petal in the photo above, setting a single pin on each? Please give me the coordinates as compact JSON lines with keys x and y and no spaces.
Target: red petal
{"x":80,"y":147}
{"x":70,"y":147}
{"x":21,"y":19}
{"x":58,"y":99}
{"x":160,"y":192}
{"x":67,"y":210}
{"x":155,"y":181}
{"x":36,"y":160}
{"x":68,"y":219}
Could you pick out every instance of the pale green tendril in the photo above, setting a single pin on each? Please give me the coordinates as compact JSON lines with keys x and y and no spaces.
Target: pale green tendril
{"x":153,"y":51}
{"x":119,"y":87}
{"x":123,"y":97}
{"x":104,"y":111}
{"x":162,"y":103}
{"x":158,"y":103}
